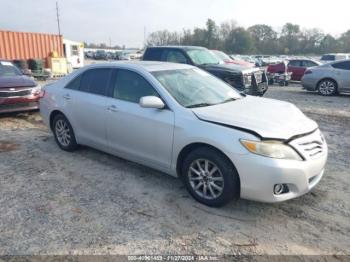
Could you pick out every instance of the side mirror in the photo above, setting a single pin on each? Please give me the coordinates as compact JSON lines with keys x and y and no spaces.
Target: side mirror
{"x":151,"y":102}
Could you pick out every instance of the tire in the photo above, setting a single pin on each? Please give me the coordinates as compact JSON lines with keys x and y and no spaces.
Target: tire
{"x":225,"y":178}
{"x":64,"y":134}
{"x":327,"y":87}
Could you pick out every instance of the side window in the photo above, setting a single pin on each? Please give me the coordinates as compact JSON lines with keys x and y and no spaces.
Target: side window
{"x":74,"y":50}
{"x":130,"y":86}
{"x":174,"y":56}
{"x":75,"y":83}
{"x":295,"y":63}
{"x":342,"y":65}
{"x":307,"y":63}
{"x":95,"y":81}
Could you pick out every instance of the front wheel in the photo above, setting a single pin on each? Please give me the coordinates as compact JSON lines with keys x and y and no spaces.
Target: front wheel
{"x":64,"y":134}
{"x":327,"y":87}
{"x":210,"y":177}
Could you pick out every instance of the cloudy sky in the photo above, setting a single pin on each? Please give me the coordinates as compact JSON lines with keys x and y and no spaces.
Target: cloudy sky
{"x":123,"y":21}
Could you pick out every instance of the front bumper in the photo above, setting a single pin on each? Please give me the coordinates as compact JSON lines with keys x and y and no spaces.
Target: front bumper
{"x":19,"y":104}
{"x":259,"y":174}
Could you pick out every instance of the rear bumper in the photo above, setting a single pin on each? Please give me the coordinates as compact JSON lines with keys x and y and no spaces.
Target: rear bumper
{"x":309,"y":84}
{"x":19,"y":104}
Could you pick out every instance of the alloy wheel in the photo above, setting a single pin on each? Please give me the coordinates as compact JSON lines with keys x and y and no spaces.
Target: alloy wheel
{"x":206,"y":179}
{"x":327,"y":87}
{"x":62,"y":132}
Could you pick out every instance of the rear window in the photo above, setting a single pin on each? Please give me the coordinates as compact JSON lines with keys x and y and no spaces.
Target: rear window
{"x":342,"y":65}
{"x":95,"y":81}
{"x":153,"y":54}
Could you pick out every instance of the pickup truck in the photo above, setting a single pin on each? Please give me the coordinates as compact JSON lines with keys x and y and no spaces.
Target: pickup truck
{"x":252,"y":81}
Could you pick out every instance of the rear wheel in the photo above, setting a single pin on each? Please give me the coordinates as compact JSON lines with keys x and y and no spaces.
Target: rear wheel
{"x":210,"y":177}
{"x":64,"y":134}
{"x":327,"y":87}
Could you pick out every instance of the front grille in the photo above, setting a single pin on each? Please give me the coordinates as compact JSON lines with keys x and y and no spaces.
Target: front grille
{"x":17,"y":105}
{"x":258,"y":77}
{"x":18,"y":93}
{"x":247,"y":79}
{"x":310,"y":146}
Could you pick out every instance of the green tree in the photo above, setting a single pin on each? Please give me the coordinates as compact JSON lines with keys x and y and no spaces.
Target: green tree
{"x":211,"y":34}
{"x":264,"y":37}
{"x":239,"y":41}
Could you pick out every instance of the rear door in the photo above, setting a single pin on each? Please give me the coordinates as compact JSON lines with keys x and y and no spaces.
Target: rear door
{"x":342,"y":75}
{"x":140,"y":134}
{"x":295,"y":66}
{"x":85,"y":102}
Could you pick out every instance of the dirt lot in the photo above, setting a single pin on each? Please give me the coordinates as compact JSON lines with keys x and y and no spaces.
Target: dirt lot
{"x":88,"y":202}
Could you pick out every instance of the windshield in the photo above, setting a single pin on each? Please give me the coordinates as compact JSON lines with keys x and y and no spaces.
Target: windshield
{"x":195,"y":87}
{"x":8,"y":69}
{"x":328,"y":58}
{"x":202,"y":57}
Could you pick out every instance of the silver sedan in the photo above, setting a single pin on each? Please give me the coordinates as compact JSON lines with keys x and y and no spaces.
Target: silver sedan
{"x":187,"y":123}
{"x":328,"y":79}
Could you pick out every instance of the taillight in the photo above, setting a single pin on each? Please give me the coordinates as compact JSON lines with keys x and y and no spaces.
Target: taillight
{"x":42,"y":94}
{"x":307,"y":72}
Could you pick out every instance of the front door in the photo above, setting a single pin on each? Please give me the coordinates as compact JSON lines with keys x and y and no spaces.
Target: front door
{"x":139,"y":134}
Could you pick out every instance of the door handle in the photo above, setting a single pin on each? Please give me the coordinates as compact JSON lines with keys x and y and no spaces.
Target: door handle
{"x":66,"y":96}
{"x":112,"y":108}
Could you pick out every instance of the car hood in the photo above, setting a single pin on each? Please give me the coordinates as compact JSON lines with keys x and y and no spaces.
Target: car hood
{"x":230,"y":67}
{"x":267,"y":118}
{"x":16,"y":81}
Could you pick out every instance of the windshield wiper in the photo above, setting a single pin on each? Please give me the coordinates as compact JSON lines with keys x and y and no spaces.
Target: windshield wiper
{"x":228,"y":100}
{"x":208,"y":64}
{"x":199,"y":105}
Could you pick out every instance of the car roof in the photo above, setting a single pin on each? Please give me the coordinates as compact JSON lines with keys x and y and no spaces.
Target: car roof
{"x":180,"y":47}
{"x":149,"y":66}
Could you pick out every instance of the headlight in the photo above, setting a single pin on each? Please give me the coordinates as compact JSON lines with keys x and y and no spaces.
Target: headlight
{"x":273,"y":149}
{"x":36,"y":90}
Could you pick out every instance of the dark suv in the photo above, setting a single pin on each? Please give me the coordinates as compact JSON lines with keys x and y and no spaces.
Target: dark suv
{"x":252,"y":81}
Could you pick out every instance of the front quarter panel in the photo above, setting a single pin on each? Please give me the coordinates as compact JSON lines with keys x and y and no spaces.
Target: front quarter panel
{"x":189,"y":130}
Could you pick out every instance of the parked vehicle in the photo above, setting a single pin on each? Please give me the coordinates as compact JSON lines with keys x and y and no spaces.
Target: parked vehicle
{"x":296,"y":66}
{"x":231,"y":60}
{"x":328,"y":79}
{"x":185,"y":122}
{"x":74,"y":52}
{"x":252,"y":81}
{"x":101,"y":55}
{"x":18,"y":92}
{"x":90,"y":54}
{"x":334,"y":57}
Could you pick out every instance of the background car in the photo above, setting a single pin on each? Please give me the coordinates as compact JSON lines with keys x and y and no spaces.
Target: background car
{"x":334,"y":57}
{"x":18,"y":92}
{"x":252,"y":81}
{"x":101,"y":55}
{"x":328,"y":79}
{"x":231,"y":60}
{"x":296,"y":66}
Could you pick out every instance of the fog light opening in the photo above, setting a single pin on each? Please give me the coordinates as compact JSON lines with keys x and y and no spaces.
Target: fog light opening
{"x":279,"y":189}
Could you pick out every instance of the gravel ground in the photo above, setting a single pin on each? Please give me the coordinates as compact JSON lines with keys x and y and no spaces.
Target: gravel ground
{"x":89,"y":202}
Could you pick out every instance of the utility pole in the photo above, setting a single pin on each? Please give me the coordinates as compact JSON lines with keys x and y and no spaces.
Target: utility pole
{"x":58,"y":19}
